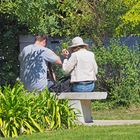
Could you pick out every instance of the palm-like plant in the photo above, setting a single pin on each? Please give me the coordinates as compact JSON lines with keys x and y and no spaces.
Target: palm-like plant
{"x":24,"y":113}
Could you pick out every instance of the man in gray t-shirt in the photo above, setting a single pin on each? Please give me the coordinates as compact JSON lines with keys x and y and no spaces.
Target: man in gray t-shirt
{"x":33,"y":64}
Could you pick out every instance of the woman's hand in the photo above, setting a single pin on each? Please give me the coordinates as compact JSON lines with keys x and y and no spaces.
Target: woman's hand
{"x":65,"y":53}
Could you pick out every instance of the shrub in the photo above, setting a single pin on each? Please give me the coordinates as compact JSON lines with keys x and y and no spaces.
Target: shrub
{"x":9,"y":65}
{"x":24,"y":113}
{"x":119,"y":72}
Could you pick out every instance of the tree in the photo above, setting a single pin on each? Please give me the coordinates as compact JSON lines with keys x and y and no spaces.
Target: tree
{"x":110,"y":18}
{"x":97,"y":19}
{"x":104,"y":18}
{"x":130,"y":21}
{"x":9,"y":30}
{"x":54,"y":17}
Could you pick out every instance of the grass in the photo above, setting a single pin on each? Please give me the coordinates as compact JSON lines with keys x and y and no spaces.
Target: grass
{"x":122,"y":132}
{"x":117,"y":114}
{"x":101,"y":111}
{"x":127,"y":132}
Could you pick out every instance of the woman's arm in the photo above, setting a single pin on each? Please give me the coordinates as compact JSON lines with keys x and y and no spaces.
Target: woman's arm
{"x":69,"y":64}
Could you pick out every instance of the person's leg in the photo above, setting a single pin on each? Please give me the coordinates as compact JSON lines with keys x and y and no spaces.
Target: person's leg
{"x":77,"y":87}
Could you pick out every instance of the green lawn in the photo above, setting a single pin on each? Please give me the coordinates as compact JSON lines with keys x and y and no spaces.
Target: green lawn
{"x":124,"y":132}
{"x":117,"y":114}
{"x":128,"y":132}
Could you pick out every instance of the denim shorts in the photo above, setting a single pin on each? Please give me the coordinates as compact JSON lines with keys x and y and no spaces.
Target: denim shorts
{"x":83,"y":86}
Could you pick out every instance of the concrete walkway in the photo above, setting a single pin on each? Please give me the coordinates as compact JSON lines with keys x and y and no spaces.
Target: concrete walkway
{"x":113,"y":122}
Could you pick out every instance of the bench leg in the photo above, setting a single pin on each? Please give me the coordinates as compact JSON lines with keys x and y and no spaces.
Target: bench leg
{"x":83,"y":110}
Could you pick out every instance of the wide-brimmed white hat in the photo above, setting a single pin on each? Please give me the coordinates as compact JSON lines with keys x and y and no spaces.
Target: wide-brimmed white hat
{"x":77,"y":41}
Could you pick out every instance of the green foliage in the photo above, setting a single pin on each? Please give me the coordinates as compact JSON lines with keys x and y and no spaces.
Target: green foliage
{"x":119,"y":72}
{"x":104,"y":18}
{"x":130,"y":21}
{"x":52,"y":17}
{"x":100,"y":105}
{"x":7,"y":6}
{"x":115,"y":132}
{"x":24,"y":113}
{"x":92,"y":18}
{"x":58,"y":69}
{"x":108,"y":18}
{"x":9,"y":65}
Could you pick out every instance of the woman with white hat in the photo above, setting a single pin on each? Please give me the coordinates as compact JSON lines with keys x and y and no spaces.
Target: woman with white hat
{"x":81,"y":66}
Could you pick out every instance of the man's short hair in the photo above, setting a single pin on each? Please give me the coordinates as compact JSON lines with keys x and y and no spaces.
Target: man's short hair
{"x":40,"y":38}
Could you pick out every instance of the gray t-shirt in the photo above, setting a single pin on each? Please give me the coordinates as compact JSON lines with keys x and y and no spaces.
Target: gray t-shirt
{"x":33,"y":66}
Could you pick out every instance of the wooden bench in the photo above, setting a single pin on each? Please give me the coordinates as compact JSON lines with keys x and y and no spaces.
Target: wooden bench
{"x":81,"y":102}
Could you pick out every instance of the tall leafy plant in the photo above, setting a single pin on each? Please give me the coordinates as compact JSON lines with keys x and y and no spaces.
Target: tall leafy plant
{"x":24,"y":113}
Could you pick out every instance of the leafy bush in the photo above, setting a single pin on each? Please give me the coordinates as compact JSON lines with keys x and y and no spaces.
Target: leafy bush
{"x":24,"y":113}
{"x":119,"y":72}
{"x":9,"y":65}
{"x":100,"y":105}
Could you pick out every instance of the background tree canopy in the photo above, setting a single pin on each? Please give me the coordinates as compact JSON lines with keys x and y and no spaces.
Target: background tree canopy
{"x":53,"y":17}
{"x":92,"y":18}
{"x":130,"y":21}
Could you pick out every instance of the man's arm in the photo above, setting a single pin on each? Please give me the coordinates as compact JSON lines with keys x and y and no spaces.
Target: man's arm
{"x":50,"y":56}
{"x":58,"y":61}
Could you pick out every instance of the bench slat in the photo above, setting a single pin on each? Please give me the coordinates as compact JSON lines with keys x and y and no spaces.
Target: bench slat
{"x":83,"y":95}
